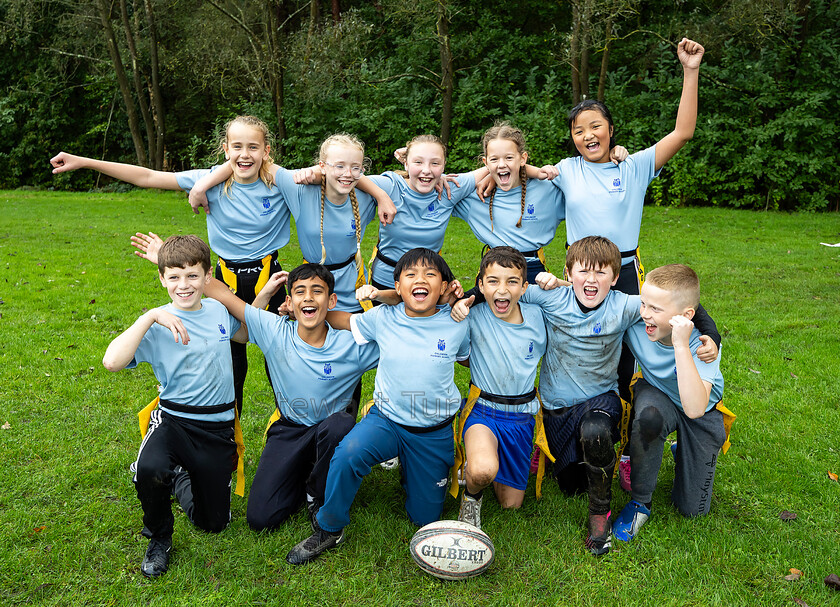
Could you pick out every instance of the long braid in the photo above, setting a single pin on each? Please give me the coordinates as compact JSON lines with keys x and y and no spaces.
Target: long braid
{"x":323,"y":204}
{"x":523,"y":181}
{"x":355,"y":203}
{"x":490,"y":206}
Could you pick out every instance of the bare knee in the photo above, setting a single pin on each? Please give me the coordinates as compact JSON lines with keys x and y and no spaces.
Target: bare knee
{"x":481,"y":473}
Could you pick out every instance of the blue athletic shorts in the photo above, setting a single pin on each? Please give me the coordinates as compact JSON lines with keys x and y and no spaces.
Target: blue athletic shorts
{"x":515,"y":433}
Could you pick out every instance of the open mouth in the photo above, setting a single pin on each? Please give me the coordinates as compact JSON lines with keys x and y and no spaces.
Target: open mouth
{"x":650,"y":329}
{"x":184,"y":295}
{"x":501,"y":305}
{"x":308,"y":311}
{"x":593,"y":147}
{"x":420,"y":293}
{"x":425,"y":180}
{"x":504,"y":178}
{"x":244,"y":166}
{"x":590,"y":292}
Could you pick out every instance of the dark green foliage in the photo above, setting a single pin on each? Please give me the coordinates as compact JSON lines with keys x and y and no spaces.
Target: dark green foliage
{"x":768,"y":91}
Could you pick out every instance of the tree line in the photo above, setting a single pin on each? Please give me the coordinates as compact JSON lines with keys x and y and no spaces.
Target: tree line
{"x":153,"y":81}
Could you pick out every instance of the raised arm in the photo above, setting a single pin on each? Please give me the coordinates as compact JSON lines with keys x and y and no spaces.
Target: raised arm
{"x":198,"y":193}
{"x":221,"y":293}
{"x":121,"y":351}
{"x":130,"y":173}
{"x":384,"y":204}
{"x":694,"y":392}
{"x":690,"y":54}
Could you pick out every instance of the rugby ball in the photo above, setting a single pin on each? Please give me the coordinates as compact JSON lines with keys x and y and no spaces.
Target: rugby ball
{"x":452,"y":550}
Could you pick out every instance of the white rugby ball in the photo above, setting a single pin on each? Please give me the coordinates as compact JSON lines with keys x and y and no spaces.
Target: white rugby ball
{"x":452,"y":550}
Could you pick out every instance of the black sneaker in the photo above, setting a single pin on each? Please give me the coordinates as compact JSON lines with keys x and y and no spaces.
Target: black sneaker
{"x":599,"y":540}
{"x":156,"y":560}
{"x":312,"y":509}
{"x":312,"y":547}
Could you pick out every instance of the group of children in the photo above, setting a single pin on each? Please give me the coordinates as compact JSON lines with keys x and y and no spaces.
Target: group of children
{"x":316,"y":453}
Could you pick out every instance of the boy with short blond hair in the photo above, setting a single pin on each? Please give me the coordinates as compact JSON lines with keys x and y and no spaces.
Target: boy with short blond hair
{"x":187,"y":342}
{"x":677,"y":391}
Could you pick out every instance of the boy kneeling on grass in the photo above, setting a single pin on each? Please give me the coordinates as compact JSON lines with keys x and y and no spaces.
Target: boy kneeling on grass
{"x":676,"y":392}
{"x":415,"y":401}
{"x":187,"y":343}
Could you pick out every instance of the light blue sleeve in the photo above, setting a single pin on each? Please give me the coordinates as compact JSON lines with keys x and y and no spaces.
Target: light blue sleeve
{"x":291,"y":191}
{"x":365,"y":324}
{"x":386,"y":182}
{"x":187,"y":179}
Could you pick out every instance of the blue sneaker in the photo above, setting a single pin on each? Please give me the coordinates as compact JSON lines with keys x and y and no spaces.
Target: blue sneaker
{"x":630,"y":520}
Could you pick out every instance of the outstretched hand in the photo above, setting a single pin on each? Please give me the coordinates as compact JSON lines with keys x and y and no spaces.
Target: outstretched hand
{"x":65,"y":162}
{"x":148,"y":245}
{"x":690,"y":53}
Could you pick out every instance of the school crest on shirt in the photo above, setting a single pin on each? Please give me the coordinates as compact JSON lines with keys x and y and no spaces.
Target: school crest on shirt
{"x":327,"y":368}
{"x":530,"y":354}
{"x":432,"y":211}
{"x":266,"y":205}
{"x":441,"y":345}
{"x":530,"y":213}
{"x":353,"y":224}
{"x":222,"y":330}
{"x":431,"y":207}
{"x":615,"y":185}
{"x":597,"y":328}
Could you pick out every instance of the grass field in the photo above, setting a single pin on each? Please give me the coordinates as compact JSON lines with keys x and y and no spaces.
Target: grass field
{"x":70,"y":520}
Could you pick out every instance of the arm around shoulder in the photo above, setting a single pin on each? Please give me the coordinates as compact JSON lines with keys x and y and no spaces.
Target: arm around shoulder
{"x":121,"y":351}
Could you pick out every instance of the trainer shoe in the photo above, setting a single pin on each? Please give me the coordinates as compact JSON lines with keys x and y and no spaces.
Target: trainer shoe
{"x":470,"y":511}
{"x":599,"y":540}
{"x":312,"y":509}
{"x":630,"y":520}
{"x":624,"y":473}
{"x":156,"y":561}
{"x":311,"y":548}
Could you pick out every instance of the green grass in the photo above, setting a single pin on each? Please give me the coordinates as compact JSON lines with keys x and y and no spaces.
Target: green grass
{"x":70,"y":520}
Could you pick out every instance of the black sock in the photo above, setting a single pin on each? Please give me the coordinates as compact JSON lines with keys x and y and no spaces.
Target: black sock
{"x":475,"y":496}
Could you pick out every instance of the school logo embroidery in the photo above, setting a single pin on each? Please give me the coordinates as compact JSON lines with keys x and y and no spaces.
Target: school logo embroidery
{"x":266,"y":203}
{"x":431,"y":207}
{"x":352,"y":224}
{"x":327,"y":369}
{"x":530,"y":209}
{"x":441,"y":345}
{"x":617,"y":182}
{"x":530,"y":347}
{"x":222,"y":330}
{"x":597,"y":328}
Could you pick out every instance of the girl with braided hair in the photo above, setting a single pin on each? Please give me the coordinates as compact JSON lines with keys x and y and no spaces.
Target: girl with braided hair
{"x":331,"y":216}
{"x":522,"y":213}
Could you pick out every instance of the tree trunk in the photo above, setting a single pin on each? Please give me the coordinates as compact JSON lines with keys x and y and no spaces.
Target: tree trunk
{"x":605,"y":60}
{"x":158,"y":111}
{"x":336,"y":11}
{"x":122,"y":82}
{"x":585,"y":41}
{"x":276,"y":71}
{"x":447,"y":72}
{"x":139,"y":91}
{"x":574,"y":52}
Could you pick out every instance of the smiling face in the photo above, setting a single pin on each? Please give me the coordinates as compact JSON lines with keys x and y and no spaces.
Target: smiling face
{"x":247,"y":149}
{"x":425,"y":164}
{"x":420,"y":286}
{"x":503,"y":159}
{"x":502,"y":287}
{"x":342,"y":166}
{"x":310,"y":299}
{"x":591,"y":133}
{"x":658,"y":307}
{"x":591,"y":283}
{"x":185,"y":286}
